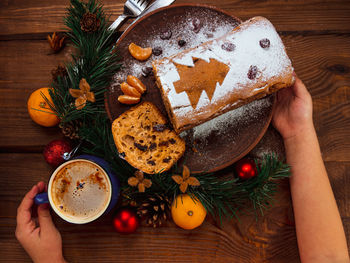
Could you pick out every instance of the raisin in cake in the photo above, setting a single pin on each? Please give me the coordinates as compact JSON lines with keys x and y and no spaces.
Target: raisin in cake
{"x":201,"y":83}
{"x":145,"y":141}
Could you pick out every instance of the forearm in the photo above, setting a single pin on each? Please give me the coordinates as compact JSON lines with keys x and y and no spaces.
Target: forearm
{"x":319,"y":228}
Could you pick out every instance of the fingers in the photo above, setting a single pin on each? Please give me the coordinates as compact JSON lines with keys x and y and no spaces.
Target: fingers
{"x":299,"y":88}
{"x":285,"y":93}
{"x":24,"y":212}
{"x":44,"y":217}
{"x":42,"y":187}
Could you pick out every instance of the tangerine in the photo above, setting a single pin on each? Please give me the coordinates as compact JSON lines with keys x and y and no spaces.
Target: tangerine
{"x":39,"y":110}
{"x":136,"y":83}
{"x":130,"y":90}
{"x":140,"y":53}
{"x":126,"y":99}
{"x":187,"y":212}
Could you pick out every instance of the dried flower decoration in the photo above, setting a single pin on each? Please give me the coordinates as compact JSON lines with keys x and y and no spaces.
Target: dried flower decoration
{"x":139,"y":181}
{"x":82,"y":94}
{"x":89,"y":23}
{"x":56,"y":42}
{"x":185,"y":180}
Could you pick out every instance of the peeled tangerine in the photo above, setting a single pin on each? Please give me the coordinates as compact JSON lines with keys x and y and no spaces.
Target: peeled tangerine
{"x":136,"y":83}
{"x":126,"y":99}
{"x":129,"y":90}
{"x":140,"y":53}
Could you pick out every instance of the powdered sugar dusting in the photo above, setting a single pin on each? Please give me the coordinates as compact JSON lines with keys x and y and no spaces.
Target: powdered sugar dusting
{"x":271,"y":63}
{"x":221,"y":124}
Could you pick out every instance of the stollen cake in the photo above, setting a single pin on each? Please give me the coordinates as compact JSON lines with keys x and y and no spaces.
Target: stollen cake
{"x":145,"y":141}
{"x":203,"y":82}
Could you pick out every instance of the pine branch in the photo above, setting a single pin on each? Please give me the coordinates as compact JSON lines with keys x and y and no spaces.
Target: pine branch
{"x":226,"y":197}
{"x":94,"y":59}
{"x":261,"y":189}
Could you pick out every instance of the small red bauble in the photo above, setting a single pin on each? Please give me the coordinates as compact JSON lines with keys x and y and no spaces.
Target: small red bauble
{"x":126,"y":221}
{"x":53,"y":152}
{"x":246,"y":168}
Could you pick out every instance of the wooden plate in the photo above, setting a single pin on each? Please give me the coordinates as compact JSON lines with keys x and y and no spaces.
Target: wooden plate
{"x":220,"y":142}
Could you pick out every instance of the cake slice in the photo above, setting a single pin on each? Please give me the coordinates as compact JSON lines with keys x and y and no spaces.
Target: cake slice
{"x":145,"y":141}
{"x":201,"y":83}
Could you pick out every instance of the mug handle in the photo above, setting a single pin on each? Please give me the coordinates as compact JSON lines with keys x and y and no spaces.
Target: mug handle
{"x":41,"y":198}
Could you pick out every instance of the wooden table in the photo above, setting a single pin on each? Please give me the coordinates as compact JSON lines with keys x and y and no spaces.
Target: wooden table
{"x":317,"y":37}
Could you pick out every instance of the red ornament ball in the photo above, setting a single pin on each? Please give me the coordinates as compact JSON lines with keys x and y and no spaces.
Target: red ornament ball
{"x":246,"y":168}
{"x":53,"y":152}
{"x":126,"y":221}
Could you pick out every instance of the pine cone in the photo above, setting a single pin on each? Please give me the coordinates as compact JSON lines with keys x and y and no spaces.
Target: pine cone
{"x":89,"y":23}
{"x":71,"y":129}
{"x":155,"y":209}
{"x":59,"y":72}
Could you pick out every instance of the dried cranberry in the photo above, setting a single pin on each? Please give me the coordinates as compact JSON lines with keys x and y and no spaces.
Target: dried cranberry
{"x":166,"y":35}
{"x":196,"y":25}
{"x":140,"y":147}
{"x":146,"y":71}
{"x":167,"y":160}
{"x":153,"y":146}
{"x":228,"y":46}
{"x":159,"y":127}
{"x":181,"y":42}
{"x":253,"y":71}
{"x":151,"y":162}
{"x":157,"y":51}
{"x":264,"y":43}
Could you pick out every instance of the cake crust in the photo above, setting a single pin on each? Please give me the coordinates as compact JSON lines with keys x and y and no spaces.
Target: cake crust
{"x":249,"y":62}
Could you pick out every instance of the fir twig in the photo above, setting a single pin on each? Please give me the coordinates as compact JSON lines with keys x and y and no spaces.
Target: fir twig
{"x":94,"y":59}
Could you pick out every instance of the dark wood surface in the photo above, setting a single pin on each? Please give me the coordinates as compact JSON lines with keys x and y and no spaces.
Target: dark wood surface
{"x":317,"y":37}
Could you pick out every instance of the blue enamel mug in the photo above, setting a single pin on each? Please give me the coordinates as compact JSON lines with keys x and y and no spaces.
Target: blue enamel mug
{"x":81,"y":190}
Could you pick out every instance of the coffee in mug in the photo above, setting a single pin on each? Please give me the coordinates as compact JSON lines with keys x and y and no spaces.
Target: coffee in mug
{"x":79,"y":191}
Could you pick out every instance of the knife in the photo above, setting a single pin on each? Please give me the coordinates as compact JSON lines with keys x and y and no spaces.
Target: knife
{"x":154,"y":6}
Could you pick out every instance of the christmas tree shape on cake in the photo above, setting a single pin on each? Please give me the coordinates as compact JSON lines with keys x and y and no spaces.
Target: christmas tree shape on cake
{"x":202,"y":76}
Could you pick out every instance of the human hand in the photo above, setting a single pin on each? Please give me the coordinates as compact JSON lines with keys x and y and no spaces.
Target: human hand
{"x":293,"y":112}
{"x":40,"y":239}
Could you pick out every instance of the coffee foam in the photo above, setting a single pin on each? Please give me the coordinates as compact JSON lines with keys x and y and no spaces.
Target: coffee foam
{"x":80,"y":191}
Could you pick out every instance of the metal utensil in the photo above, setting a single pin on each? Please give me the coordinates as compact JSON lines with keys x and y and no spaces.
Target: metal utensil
{"x":154,"y":6}
{"x":132,"y":8}
{"x":67,"y":155}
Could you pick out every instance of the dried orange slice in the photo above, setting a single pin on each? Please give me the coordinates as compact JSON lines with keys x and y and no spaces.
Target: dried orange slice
{"x":136,"y":83}
{"x":129,"y":90}
{"x":126,"y":99}
{"x":140,"y":53}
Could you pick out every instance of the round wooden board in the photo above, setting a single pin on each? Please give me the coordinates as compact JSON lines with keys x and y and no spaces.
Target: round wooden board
{"x":213,"y":145}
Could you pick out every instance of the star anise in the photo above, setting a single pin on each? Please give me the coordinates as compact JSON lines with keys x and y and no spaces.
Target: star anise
{"x":89,"y":23}
{"x":139,"y":181}
{"x":185,"y":180}
{"x":82,"y":94}
{"x":56,"y":42}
